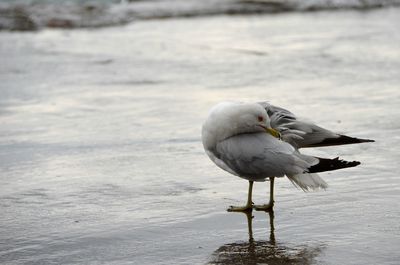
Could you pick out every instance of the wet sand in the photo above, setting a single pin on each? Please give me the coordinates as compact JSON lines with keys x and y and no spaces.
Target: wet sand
{"x":100,"y":154}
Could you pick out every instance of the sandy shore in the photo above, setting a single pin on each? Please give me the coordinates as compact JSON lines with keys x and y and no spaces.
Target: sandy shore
{"x":100,"y":153}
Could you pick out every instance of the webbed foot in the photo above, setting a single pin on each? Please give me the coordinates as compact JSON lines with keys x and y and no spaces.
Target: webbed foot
{"x":264,"y":207}
{"x":240,"y":208}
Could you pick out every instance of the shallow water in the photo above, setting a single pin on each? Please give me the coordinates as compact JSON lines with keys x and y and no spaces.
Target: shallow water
{"x":28,"y":15}
{"x":100,"y":152}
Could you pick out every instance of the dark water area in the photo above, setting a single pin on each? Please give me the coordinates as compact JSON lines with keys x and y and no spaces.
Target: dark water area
{"x":100,"y":154}
{"x":264,"y":251}
{"x":30,"y":15}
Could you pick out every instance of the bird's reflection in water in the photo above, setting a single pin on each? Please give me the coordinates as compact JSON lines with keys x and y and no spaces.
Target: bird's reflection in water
{"x":265,"y":251}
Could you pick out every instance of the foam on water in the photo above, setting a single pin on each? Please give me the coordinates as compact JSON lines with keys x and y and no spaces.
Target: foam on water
{"x":32,"y":15}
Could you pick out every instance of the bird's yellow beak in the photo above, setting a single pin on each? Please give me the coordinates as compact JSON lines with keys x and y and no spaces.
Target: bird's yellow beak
{"x":273,"y":132}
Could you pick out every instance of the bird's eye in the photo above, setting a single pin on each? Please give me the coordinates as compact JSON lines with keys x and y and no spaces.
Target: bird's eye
{"x":260,"y":118}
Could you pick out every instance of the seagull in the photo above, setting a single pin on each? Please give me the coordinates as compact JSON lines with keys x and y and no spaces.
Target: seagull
{"x":259,"y":142}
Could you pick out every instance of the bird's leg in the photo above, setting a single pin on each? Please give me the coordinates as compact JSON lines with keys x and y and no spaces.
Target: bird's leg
{"x":249,"y":204}
{"x":272,"y":227}
{"x":250,"y":216}
{"x":270,"y":205}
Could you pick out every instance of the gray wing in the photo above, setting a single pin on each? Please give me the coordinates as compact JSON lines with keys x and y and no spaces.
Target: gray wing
{"x":259,"y":155}
{"x":300,"y":133}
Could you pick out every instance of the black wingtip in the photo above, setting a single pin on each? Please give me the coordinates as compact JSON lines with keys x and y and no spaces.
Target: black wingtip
{"x":326,"y":164}
{"x":341,"y":140}
{"x":366,"y":140}
{"x":355,"y":140}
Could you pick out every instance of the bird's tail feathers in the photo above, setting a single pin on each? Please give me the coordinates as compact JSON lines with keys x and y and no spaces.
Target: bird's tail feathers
{"x":308,"y":181}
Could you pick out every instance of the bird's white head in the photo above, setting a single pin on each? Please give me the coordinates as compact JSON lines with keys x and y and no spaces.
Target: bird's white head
{"x":227,"y":119}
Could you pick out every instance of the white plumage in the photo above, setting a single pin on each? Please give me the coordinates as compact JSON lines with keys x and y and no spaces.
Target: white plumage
{"x":239,"y":138}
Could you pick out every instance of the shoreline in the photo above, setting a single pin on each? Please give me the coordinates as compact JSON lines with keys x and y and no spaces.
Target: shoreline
{"x":101,"y":158}
{"x":37,"y":16}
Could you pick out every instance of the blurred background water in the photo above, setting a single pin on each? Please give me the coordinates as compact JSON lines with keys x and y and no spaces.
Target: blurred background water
{"x":100,"y":154}
{"x":36,"y":14}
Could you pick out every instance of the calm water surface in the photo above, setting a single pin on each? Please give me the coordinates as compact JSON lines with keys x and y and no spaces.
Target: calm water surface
{"x":100,"y":154}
